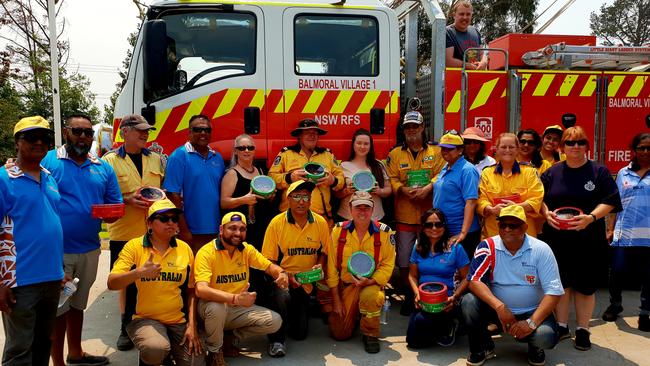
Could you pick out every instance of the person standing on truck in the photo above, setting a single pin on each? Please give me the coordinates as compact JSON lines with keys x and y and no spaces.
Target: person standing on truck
{"x":410,"y":169}
{"x":135,"y":167}
{"x":31,"y":242}
{"x":288,"y":168}
{"x":461,"y":36}
{"x":193,"y":181}
{"x":83,"y":181}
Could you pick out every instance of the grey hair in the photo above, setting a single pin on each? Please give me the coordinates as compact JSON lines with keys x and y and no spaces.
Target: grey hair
{"x":233,"y":160}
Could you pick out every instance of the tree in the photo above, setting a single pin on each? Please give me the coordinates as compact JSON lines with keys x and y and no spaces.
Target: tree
{"x":623,"y":22}
{"x":11,"y":110}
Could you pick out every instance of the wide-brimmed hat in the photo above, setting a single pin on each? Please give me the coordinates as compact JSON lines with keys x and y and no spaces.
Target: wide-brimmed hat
{"x":307,"y":124}
{"x":474,"y":133}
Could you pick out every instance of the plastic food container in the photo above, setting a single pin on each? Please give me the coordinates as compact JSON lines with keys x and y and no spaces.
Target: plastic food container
{"x":433,"y":296}
{"x":152,"y":194}
{"x":107,"y":211}
{"x":309,"y":276}
{"x":516,"y":198}
{"x":417,"y":178}
{"x":263,"y":185}
{"x":363,"y":180}
{"x":361,"y":264}
{"x":565,"y":216}
{"x":315,"y":171}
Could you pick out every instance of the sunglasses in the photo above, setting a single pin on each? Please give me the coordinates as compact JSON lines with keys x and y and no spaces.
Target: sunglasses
{"x":244,"y":148}
{"x":33,"y":137}
{"x":431,"y":225}
{"x":165,"y":219}
{"x":299,"y":197}
{"x":575,"y":142}
{"x":78,"y":131}
{"x":527,"y":142}
{"x":202,"y":129}
{"x":642,"y":148}
{"x":511,"y":226}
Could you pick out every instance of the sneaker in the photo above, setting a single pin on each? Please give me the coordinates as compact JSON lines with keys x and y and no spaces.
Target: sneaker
{"x":476,"y":359}
{"x":449,"y":339}
{"x":489,"y":354}
{"x":536,"y":357}
{"x":124,"y":343}
{"x":371,"y":344}
{"x":563,"y":333}
{"x":612,"y":312}
{"x":216,"y":359}
{"x":87,"y":360}
{"x":582,"y":341}
{"x":277,"y":349}
{"x":644,"y":323}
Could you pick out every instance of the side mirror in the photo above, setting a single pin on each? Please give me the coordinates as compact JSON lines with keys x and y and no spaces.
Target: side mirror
{"x":180,"y":79}
{"x":154,"y":57}
{"x":377,"y":118}
{"x":569,"y":120}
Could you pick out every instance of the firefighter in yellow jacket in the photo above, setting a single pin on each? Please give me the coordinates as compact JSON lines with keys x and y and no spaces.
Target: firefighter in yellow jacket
{"x":288,"y":168}
{"x":354,"y":294}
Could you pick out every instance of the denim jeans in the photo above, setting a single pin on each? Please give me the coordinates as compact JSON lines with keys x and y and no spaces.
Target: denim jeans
{"x":630,"y":261}
{"x":478,"y":315}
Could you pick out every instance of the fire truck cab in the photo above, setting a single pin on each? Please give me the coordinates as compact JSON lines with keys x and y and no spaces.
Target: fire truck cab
{"x":260,"y":67}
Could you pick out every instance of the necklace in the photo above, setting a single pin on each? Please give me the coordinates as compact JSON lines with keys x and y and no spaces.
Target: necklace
{"x":251,"y":171}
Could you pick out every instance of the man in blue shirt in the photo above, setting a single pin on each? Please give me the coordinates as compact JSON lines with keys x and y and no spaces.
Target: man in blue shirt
{"x":515,"y":282}
{"x":83,"y":180}
{"x":193,"y":181}
{"x":31,"y":247}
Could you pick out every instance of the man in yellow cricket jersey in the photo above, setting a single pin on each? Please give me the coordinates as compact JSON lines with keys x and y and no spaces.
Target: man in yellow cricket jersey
{"x":410,"y":168}
{"x":352,"y":294}
{"x":221,"y":275}
{"x":135,"y":167}
{"x":288,"y":168}
{"x":298,"y":240}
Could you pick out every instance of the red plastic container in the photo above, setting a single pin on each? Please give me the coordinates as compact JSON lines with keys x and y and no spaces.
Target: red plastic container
{"x":516,"y":198}
{"x":108,"y":211}
{"x":433,"y":296}
{"x":565,"y":216}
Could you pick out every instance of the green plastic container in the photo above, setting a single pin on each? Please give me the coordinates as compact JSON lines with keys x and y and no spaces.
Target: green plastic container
{"x":432,"y":308}
{"x":315,"y":171}
{"x":363,"y":180}
{"x":417,"y":178}
{"x":263,"y":185}
{"x":361,"y":264}
{"x":309,"y":276}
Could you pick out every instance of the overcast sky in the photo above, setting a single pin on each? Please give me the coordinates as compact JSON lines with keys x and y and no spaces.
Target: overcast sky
{"x":98,"y":31}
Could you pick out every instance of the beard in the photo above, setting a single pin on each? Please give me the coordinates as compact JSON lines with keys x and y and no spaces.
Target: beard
{"x":77,"y":150}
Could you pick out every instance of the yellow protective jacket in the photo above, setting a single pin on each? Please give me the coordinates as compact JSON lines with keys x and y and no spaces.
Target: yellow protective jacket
{"x":292,"y":158}
{"x":399,"y":162}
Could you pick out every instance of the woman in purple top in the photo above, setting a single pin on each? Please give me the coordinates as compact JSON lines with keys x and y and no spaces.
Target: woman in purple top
{"x":434,"y":259}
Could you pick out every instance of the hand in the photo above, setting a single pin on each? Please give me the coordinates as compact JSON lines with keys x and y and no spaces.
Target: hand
{"x":191,"y":338}
{"x":496,"y":210}
{"x":337,"y":307}
{"x":506,"y":317}
{"x":135,"y":199}
{"x":408,"y":192}
{"x":551,"y":218}
{"x":293,"y":282}
{"x":449,"y":305}
{"x":422,"y":192}
{"x":7,"y":299}
{"x":349,"y":189}
{"x":149,"y":269}
{"x":249,"y":199}
{"x":66,"y":278}
{"x":416,"y":300}
{"x":458,"y":238}
{"x":580,"y":222}
{"x":362,"y":281}
{"x":326,"y":181}
{"x":282,"y":281}
{"x":609,"y":234}
{"x":298,"y":174}
{"x":245,"y":298}
{"x":481,"y":65}
{"x":520,"y":330}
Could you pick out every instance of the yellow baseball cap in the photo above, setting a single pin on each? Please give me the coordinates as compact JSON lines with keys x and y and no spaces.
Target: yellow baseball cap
{"x":553,"y":128}
{"x":301,"y":184}
{"x":31,"y":123}
{"x":233,"y":216}
{"x":161,"y":206}
{"x":515,"y":211}
{"x":450,"y":140}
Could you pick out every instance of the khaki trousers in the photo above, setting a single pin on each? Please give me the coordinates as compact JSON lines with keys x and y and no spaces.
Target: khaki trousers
{"x":156,"y":340}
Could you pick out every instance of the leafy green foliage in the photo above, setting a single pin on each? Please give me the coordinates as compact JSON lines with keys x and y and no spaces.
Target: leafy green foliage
{"x":624,"y":22}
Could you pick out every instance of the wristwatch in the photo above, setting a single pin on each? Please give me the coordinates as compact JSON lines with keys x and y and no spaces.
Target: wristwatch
{"x":531,"y":324}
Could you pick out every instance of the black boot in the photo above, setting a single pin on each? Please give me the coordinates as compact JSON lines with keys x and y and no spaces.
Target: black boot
{"x":124,"y":343}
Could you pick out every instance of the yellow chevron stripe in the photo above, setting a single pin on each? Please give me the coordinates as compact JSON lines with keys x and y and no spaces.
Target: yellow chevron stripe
{"x":543,"y":85}
{"x":394,"y":102}
{"x":196,"y":106}
{"x":258,"y":99}
{"x":613,"y":87}
{"x":636,"y":87}
{"x":454,"y":104}
{"x":368,"y":101}
{"x":484,"y":93}
{"x":590,"y":87}
{"x":314,"y":101}
{"x":341,"y":101}
{"x":161,"y":119}
{"x":567,"y":85}
{"x":524,"y":81}
{"x":288,"y":97}
{"x":227,"y":103}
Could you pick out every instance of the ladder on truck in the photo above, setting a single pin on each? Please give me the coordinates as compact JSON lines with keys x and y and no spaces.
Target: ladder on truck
{"x":563,"y":56}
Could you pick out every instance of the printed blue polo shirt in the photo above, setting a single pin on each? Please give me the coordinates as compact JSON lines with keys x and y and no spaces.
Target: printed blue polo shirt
{"x":452,"y":189}
{"x":31,"y":238}
{"x":198,"y":179}
{"x":81,"y":186}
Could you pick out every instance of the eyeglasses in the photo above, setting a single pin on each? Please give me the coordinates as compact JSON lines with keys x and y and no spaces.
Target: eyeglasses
{"x":527,"y":142}
{"x":299,"y":197}
{"x":165,"y":219}
{"x":575,"y":142}
{"x":202,"y":129}
{"x":33,"y":137}
{"x":244,"y":148}
{"x":78,"y":131}
{"x":511,"y":226}
{"x":431,"y":225}
{"x":642,"y":148}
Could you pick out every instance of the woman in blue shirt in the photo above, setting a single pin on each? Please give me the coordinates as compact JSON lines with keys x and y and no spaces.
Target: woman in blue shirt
{"x":436,"y":259}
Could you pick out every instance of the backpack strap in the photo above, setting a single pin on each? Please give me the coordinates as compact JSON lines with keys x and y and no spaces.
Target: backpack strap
{"x":377,"y":245}
{"x":341,"y":244}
